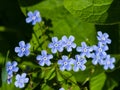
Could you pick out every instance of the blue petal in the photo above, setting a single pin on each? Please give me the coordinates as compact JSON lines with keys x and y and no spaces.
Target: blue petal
{"x":64,"y":38}
{"x":26,"y":80}
{"x":44,"y":52}
{"x":27,"y":52}
{"x":20,"y":54}
{"x":38,"y":19}
{"x":14,"y":63}
{"x":62,"y":68}
{"x":99,"y":33}
{"x":65,"y":57}
{"x":30,"y":14}
{"x":22,"y":44}
{"x":60,"y":62}
{"x":75,"y":68}
{"x":68,"y":67}
{"x":83,"y":67}
{"x":21,"y":85}
{"x":37,"y":13}
{"x":71,"y":38}
{"x":17,"y":49}
{"x":28,"y":46}
{"x":54,"y":50}
{"x":73,"y":45}
{"x":23,"y":75}
{"x":83,"y":44}
{"x":41,"y":63}
{"x":48,"y":62}
{"x":16,"y":83}
{"x":79,"y":49}
{"x":105,"y":67}
{"x":15,"y":69}
{"x":54,"y":39}
{"x":50,"y":56}
{"x":39,"y":57}
{"x":28,"y":20}
{"x":17,"y":77}
{"x":69,"y":49}
{"x":50,"y":45}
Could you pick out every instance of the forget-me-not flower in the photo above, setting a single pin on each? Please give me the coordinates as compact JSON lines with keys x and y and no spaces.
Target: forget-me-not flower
{"x":23,"y":49}
{"x":11,"y":67}
{"x":108,"y":62}
{"x":21,"y":80}
{"x":68,"y":43}
{"x":97,"y":58}
{"x":101,"y":48}
{"x":65,"y":63}
{"x":33,"y":17}
{"x":85,"y":50}
{"x":56,"y":45}
{"x":103,"y":37}
{"x":79,"y":63}
{"x":44,"y":58}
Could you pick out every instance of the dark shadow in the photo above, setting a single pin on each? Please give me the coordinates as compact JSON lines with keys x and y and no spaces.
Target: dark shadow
{"x":26,"y":3}
{"x":114,"y":12}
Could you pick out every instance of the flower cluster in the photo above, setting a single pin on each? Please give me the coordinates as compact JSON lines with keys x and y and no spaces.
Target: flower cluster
{"x":59,"y":45}
{"x":11,"y":67}
{"x":77,"y":62}
{"x":96,"y":52}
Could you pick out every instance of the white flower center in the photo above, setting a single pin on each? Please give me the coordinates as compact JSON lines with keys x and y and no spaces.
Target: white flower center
{"x":45,"y":58}
{"x":85,"y":50}
{"x":103,"y":38}
{"x":56,"y":45}
{"x":100,"y":49}
{"x":108,"y":62}
{"x":33,"y":18}
{"x":68,"y":43}
{"x":78,"y":63}
{"x":23,"y":49}
{"x":21,"y":80}
{"x":65,"y":63}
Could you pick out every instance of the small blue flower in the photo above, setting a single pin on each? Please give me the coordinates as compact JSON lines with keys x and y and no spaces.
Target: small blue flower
{"x":68,"y":43}
{"x":9,"y":79}
{"x":104,"y":38}
{"x":56,"y":45}
{"x":79,"y":63}
{"x":85,"y":50}
{"x":101,"y":48}
{"x":44,"y":58}
{"x":21,"y":80}
{"x":97,"y":58}
{"x":33,"y":17}
{"x":65,"y":63}
{"x":11,"y":67}
{"x":23,"y":49}
{"x":61,"y":89}
{"x":108,"y":62}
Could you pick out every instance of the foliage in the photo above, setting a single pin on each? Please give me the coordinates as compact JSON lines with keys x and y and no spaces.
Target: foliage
{"x":79,"y":18}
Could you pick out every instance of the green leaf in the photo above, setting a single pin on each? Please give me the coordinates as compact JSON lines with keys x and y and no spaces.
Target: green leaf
{"x":95,"y":11}
{"x":61,"y":23}
{"x":97,"y":82}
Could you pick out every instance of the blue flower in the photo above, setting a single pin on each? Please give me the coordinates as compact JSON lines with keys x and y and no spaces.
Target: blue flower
{"x":97,"y":58}
{"x":21,"y":80}
{"x":68,"y":43}
{"x":108,"y":62}
{"x":104,"y":38}
{"x":101,"y":48}
{"x":79,"y":63}
{"x":61,"y":89}
{"x":65,"y":63}
{"x":11,"y":67}
{"x":33,"y":17}
{"x":9,"y":79}
{"x":23,"y":49}
{"x":56,"y":45}
{"x":85,"y":50}
{"x":44,"y":58}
